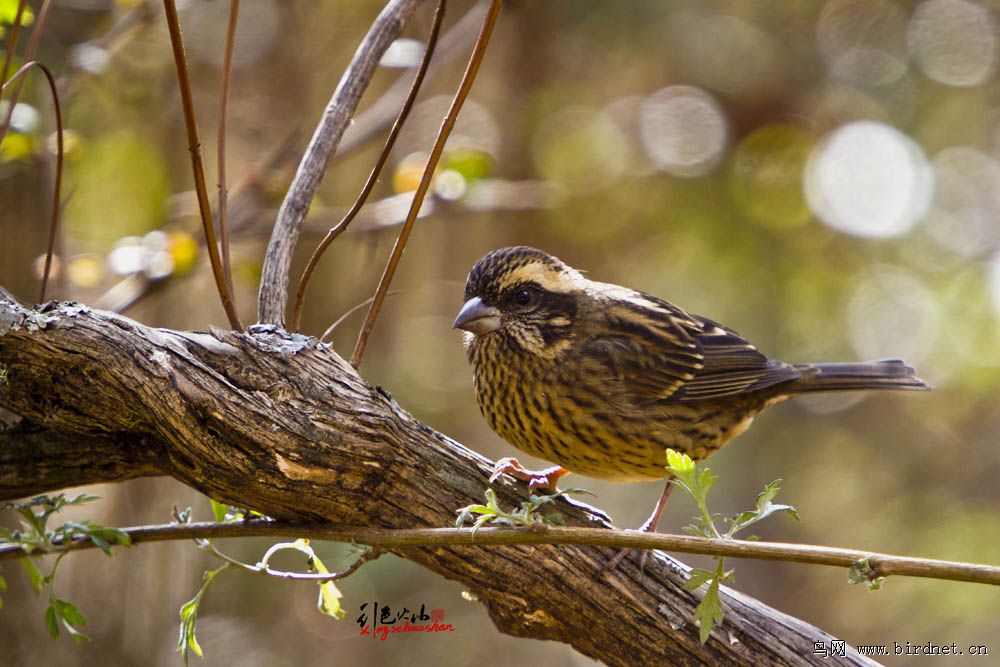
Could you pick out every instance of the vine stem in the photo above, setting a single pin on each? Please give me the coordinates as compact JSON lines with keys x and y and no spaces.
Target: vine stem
{"x":880,"y":564}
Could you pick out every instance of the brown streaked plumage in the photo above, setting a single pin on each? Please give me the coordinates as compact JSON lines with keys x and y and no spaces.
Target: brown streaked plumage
{"x":602,"y":379}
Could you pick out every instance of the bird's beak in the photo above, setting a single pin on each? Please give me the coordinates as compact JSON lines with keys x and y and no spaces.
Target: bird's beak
{"x":477,"y":317}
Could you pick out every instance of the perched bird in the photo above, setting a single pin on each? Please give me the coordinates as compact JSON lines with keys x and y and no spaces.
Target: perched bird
{"x":601,"y":379}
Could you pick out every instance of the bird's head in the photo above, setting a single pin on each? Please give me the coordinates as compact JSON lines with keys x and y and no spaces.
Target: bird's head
{"x":522,"y":296}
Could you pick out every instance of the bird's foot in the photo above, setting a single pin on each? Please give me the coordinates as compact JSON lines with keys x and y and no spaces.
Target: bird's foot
{"x":538,"y":480}
{"x":648,"y":526}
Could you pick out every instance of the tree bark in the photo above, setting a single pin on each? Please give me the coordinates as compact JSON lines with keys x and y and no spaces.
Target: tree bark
{"x":279,"y":423}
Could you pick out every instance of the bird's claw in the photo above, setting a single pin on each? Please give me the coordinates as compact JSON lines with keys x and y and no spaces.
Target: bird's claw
{"x":538,"y":480}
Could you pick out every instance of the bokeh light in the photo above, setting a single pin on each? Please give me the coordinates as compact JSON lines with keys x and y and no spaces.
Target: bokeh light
{"x":869,"y":179}
{"x":863,"y":41}
{"x":476,"y":127}
{"x":963,"y":215}
{"x":683,"y":130}
{"x":892,"y":314}
{"x":954,"y":41}
{"x":725,"y":52}
{"x":581,"y":148}
{"x":994,"y":283}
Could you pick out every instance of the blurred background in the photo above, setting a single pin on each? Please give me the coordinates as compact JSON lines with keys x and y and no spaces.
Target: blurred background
{"x":821,"y":176}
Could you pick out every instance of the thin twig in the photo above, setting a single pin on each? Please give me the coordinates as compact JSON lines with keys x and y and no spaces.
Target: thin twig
{"x":337,"y":229}
{"x":194,"y":146}
{"x":29,"y":54}
{"x":478,"y":51}
{"x":367,"y":557}
{"x":56,"y":202}
{"x":380,"y":115}
{"x":15,"y":29}
{"x":227,"y":67}
{"x":273,"y":297}
{"x":384,"y":538}
{"x":350,"y":311}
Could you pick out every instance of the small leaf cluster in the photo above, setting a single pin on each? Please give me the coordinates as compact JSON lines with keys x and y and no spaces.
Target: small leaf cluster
{"x":862,"y":572}
{"x":329,"y":595}
{"x":34,"y":536}
{"x":527,"y":515}
{"x":696,"y":482}
{"x":187,"y":642}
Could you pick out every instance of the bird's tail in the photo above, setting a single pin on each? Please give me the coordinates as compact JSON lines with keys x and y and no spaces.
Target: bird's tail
{"x":885,"y":374}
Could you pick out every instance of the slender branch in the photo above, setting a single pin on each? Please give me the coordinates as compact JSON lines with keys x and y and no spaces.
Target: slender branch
{"x":336,"y":230}
{"x":371,"y":555}
{"x":15,"y":29}
{"x":54,"y":220}
{"x":227,"y":69}
{"x":194,"y":146}
{"x":375,"y":118}
{"x":475,"y":60}
{"x":883,"y":565}
{"x":350,"y":311}
{"x":273,"y":297}
{"x":29,"y":54}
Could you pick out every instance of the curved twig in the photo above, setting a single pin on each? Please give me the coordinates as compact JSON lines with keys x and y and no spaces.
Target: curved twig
{"x":425,"y":180}
{"x":15,"y":30}
{"x":337,"y":229}
{"x":56,"y":197}
{"x":29,"y":54}
{"x":194,"y":147}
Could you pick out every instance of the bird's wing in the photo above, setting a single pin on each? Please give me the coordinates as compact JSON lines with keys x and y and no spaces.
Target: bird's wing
{"x":651,"y":351}
{"x":732,"y":366}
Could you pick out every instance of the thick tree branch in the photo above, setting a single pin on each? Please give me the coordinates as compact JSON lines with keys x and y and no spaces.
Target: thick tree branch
{"x":387,"y":27}
{"x":34,"y":460}
{"x":280,"y":424}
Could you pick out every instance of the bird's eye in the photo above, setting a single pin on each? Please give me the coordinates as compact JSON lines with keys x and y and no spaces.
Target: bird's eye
{"x":522,"y":297}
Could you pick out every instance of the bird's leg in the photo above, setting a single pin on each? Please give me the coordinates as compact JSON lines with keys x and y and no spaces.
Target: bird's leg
{"x":648,"y":526}
{"x":538,"y":480}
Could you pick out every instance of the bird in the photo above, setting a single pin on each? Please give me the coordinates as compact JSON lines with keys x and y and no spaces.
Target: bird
{"x":601,"y":380}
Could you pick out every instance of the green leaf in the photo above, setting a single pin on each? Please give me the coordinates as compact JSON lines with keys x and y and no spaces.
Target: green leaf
{"x":219,"y":510}
{"x":329,"y":600}
{"x":768,"y":494}
{"x":329,"y":594}
{"x":70,"y":617}
{"x":52,"y":622}
{"x":862,"y":572}
{"x":35,"y":576}
{"x":68,"y":611}
{"x":679,"y":464}
{"x":697,"y":577}
{"x":187,"y":643}
{"x":708,"y":613}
